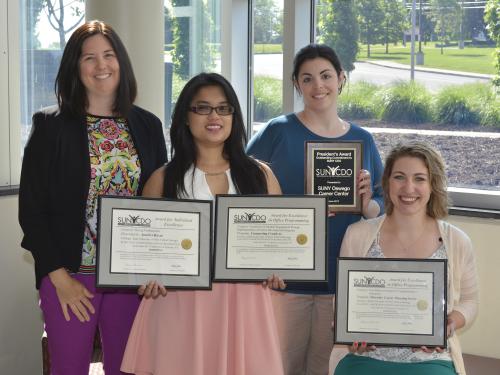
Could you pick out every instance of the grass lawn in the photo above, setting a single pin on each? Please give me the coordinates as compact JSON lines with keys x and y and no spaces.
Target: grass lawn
{"x":469,"y":59}
{"x":267,"y":48}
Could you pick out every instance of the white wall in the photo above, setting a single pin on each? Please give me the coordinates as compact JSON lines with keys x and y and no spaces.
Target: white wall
{"x":20,"y":318}
{"x":21,"y":324}
{"x":482,"y":337}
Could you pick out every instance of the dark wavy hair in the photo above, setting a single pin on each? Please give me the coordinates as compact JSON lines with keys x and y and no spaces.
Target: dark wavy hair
{"x":70,"y":91}
{"x":313,"y":51}
{"x":246,"y":173}
{"x":438,"y":204}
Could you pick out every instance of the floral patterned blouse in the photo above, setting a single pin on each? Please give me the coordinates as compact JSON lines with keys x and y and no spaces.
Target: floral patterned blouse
{"x":115,"y":170}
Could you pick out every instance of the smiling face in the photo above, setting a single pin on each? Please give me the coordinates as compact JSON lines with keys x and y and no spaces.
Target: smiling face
{"x":99,"y":68}
{"x":409,"y":186}
{"x":318,"y":82}
{"x":212,"y":129}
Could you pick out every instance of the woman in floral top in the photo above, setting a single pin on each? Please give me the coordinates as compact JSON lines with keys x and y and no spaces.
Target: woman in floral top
{"x":94,"y":142}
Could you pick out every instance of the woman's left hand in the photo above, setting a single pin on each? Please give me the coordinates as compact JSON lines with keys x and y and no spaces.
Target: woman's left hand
{"x":152,"y":290}
{"x":274,"y":282}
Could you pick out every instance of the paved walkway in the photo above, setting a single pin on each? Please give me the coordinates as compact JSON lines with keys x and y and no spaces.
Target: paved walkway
{"x":395,"y":65}
{"x":380,"y":72}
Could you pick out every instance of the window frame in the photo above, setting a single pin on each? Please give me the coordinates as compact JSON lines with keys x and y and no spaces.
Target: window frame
{"x":10,"y":130}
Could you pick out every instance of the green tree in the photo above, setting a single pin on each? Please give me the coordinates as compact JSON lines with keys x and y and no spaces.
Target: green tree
{"x":447,"y":15}
{"x":338,"y":28}
{"x":268,"y":21}
{"x":371,"y":20}
{"x":492,"y":19}
{"x":473,"y":22}
{"x":395,"y":21}
{"x":180,"y":32}
{"x":428,"y":26}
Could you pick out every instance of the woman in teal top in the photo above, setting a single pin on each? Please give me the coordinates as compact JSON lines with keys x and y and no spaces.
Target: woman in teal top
{"x":305,"y":311}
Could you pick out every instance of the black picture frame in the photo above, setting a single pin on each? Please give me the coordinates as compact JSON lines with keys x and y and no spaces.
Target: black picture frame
{"x":391,"y":302}
{"x":268,"y":242}
{"x":143,"y":239}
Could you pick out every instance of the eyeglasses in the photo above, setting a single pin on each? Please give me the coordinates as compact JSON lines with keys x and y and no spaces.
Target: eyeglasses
{"x":222,"y":110}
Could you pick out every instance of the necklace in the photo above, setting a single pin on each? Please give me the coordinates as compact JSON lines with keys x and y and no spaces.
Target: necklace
{"x":211,"y":174}
{"x":408,"y":247}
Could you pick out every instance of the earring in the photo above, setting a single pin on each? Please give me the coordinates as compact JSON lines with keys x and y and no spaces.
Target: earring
{"x":342,"y":85}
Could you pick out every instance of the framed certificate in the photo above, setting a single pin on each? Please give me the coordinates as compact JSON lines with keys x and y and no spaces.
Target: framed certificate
{"x":391,"y":302}
{"x":257,"y":236}
{"x":331,"y":170}
{"x":143,"y":239}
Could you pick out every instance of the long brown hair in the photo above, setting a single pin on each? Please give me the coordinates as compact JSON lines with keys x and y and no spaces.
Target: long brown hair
{"x":70,"y":91}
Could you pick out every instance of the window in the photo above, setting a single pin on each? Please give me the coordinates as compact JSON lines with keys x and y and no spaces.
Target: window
{"x":449,"y":104}
{"x":192,"y":44}
{"x":280,"y":29}
{"x":212,"y":35}
{"x":42,"y":41}
{"x":32,"y":38}
{"x":267,"y":60}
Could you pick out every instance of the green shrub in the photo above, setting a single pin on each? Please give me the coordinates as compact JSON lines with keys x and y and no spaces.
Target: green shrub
{"x":404,"y":102}
{"x":356,"y":101}
{"x":474,"y":103}
{"x":490,"y":114}
{"x":486,"y":103}
{"x":457,"y":105}
{"x":267,"y":98}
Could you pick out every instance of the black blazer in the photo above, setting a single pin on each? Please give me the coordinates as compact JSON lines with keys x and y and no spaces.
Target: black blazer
{"x":55,"y":181}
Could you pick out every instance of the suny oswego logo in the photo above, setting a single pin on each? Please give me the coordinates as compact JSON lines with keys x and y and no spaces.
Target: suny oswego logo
{"x":333,"y":172}
{"x":134,"y":221}
{"x":247,"y":217}
{"x":369,"y":282}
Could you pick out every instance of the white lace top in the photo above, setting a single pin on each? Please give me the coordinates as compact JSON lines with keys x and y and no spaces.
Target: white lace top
{"x":398,"y":354}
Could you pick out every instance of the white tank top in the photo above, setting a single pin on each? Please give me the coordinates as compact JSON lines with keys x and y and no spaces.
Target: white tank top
{"x":197,"y":187}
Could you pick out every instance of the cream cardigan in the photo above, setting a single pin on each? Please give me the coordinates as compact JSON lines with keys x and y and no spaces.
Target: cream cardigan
{"x":462,"y":275}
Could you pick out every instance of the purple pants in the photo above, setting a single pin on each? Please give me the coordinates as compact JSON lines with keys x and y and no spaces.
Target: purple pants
{"x":70,"y":343}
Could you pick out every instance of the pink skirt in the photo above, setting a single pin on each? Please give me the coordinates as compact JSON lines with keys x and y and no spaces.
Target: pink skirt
{"x":229,"y":330}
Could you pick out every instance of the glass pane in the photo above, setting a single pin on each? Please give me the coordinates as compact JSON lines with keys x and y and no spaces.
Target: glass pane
{"x":267,"y":60}
{"x":450,"y":103}
{"x":192,"y":44}
{"x":41,"y":45}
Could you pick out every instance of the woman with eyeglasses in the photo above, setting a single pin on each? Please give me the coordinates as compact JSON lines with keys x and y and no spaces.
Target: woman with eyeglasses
{"x":231,"y":328}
